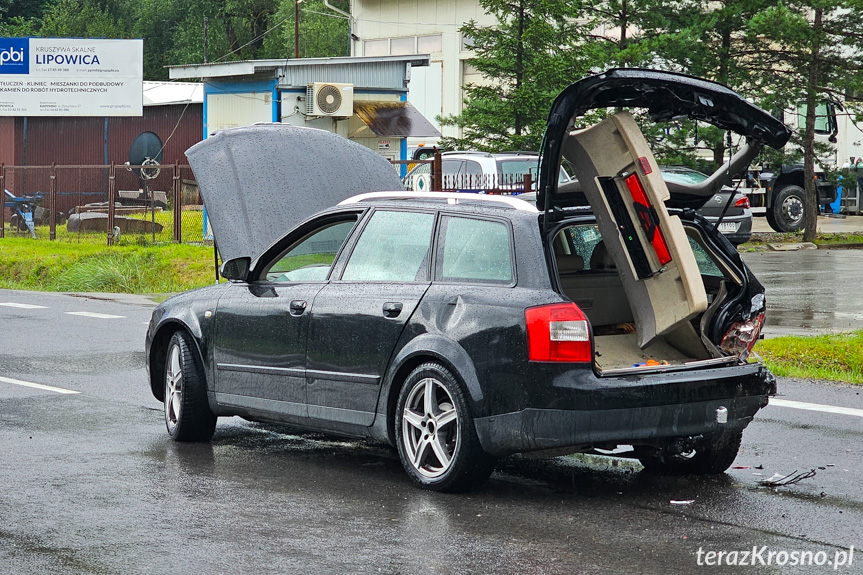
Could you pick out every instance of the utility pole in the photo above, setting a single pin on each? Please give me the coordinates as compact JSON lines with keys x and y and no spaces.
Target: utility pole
{"x":297,"y":28}
{"x":206,"y":21}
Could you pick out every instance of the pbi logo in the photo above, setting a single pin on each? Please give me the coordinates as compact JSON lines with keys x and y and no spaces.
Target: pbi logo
{"x":14,"y":56}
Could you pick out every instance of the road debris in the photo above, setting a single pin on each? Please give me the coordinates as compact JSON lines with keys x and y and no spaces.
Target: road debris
{"x":792,"y":478}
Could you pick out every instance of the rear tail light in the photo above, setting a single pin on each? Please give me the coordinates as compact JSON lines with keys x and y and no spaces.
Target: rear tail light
{"x":741,"y":338}
{"x":648,"y":218}
{"x":742,"y":203}
{"x":558,"y":332}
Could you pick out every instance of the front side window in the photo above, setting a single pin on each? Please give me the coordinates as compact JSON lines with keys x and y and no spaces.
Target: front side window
{"x":823,"y":124}
{"x":393,"y":247}
{"x":474,"y":251}
{"x":311,"y":258}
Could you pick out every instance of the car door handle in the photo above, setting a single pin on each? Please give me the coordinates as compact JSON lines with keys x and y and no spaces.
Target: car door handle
{"x":298,"y":306}
{"x":392,"y":309}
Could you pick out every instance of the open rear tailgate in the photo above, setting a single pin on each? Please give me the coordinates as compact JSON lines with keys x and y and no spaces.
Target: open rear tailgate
{"x":622,"y":182}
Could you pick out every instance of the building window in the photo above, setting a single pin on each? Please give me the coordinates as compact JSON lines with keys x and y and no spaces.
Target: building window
{"x":429,"y":44}
{"x":403,"y":46}
{"x":469,"y":69}
{"x":466,"y":42}
{"x":376,"y":48}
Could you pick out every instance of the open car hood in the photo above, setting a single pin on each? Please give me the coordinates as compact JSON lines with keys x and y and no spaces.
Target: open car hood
{"x":666,"y":95}
{"x":260,"y":181}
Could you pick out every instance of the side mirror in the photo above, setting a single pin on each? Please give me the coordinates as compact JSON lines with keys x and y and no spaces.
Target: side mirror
{"x":236,"y":269}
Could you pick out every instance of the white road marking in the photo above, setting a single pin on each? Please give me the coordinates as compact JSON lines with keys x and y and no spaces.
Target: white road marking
{"x":94,"y":314}
{"x":816,"y":407}
{"x":23,"y":305}
{"x":37,"y":386}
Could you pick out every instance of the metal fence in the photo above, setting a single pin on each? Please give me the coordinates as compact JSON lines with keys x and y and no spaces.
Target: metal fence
{"x":434,"y":179}
{"x":102,"y":204}
{"x":120,"y":204}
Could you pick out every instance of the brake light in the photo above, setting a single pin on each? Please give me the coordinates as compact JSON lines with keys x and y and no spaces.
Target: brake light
{"x":648,"y":219}
{"x":742,"y":336}
{"x":558,"y":332}
{"x":742,"y":203}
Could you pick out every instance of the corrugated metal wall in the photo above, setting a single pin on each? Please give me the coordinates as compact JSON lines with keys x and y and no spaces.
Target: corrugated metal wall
{"x":77,"y":141}
{"x":367,"y":75}
{"x":161,"y":120}
{"x":82,"y":141}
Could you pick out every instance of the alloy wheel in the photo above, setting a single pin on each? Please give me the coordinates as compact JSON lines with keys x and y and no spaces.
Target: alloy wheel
{"x":430,"y":431}
{"x":173,"y":386}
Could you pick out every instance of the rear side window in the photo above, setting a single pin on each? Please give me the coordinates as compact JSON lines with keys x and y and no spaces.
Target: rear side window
{"x":583,"y":244}
{"x":474,"y":251}
{"x":706,"y":265}
{"x":393,"y":247}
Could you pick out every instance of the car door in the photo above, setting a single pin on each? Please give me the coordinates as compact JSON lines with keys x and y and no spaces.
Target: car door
{"x":261,"y":327}
{"x":356,"y":320}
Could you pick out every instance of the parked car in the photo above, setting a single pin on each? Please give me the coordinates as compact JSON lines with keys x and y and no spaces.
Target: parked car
{"x":462,"y":328}
{"x":732,"y":207}
{"x":480,"y":172}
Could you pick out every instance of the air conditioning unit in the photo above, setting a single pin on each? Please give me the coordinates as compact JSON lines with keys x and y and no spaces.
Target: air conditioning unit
{"x":330,"y":99}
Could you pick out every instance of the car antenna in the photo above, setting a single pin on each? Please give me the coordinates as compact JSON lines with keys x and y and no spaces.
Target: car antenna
{"x":728,"y":144}
{"x":216,"y":258}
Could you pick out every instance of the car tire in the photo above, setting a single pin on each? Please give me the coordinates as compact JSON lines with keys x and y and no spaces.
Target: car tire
{"x":435,"y":434}
{"x":187,"y":411}
{"x":788,"y":209}
{"x":715,"y":456}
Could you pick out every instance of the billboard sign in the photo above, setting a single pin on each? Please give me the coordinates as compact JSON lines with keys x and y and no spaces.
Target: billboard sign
{"x":71,"y":77}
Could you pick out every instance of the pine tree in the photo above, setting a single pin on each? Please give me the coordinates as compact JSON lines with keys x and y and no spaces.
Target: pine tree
{"x":527,"y":59}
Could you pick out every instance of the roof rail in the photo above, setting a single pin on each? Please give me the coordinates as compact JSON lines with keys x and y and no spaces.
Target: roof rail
{"x":450,"y":197}
{"x":467,"y":153}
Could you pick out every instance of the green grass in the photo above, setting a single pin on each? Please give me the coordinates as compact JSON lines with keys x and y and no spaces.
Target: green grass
{"x":821,"y":239}
{"x":59,"y":266}
{"x":836,"y":357}
{"x":191,"y":226}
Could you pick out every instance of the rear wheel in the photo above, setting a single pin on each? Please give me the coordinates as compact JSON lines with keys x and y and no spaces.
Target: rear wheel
{"x":786,"y":213}
{"x":187,"y":412}
{"x":713,"y":456}
{"x":435,"y":434}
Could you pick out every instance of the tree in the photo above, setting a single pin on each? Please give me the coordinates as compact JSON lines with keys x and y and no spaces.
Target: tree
{"x":809,"y":51}
{"x":529,"y":57}
{"x":323,"y":33}
{"x":86,"y":19}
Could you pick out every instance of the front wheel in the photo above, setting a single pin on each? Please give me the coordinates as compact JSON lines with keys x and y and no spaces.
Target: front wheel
{"x":187,"y":412}
{"x":435,"y":434}
{"x":789,"y":206}
{"x":712,"y":456}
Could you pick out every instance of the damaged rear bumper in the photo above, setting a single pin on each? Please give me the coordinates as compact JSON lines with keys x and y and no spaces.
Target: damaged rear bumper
{"x":671,"y":407}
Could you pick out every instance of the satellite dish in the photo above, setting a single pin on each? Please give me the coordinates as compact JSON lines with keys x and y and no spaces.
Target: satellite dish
{"x":146,"y":150}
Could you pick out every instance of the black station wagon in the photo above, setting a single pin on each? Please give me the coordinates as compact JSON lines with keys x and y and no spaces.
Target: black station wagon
{"x":462,"y":328}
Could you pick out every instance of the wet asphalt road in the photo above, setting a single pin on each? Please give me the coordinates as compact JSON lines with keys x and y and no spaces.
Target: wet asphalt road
{"x":811,"y":291}
{"x":92,"y":484}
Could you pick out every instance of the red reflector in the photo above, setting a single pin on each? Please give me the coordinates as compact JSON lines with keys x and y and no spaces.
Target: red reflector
{"x":644,"y":211}
{"x":558,"y":332}
{"x":742,"y":203}
{"x":645,"y":165}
